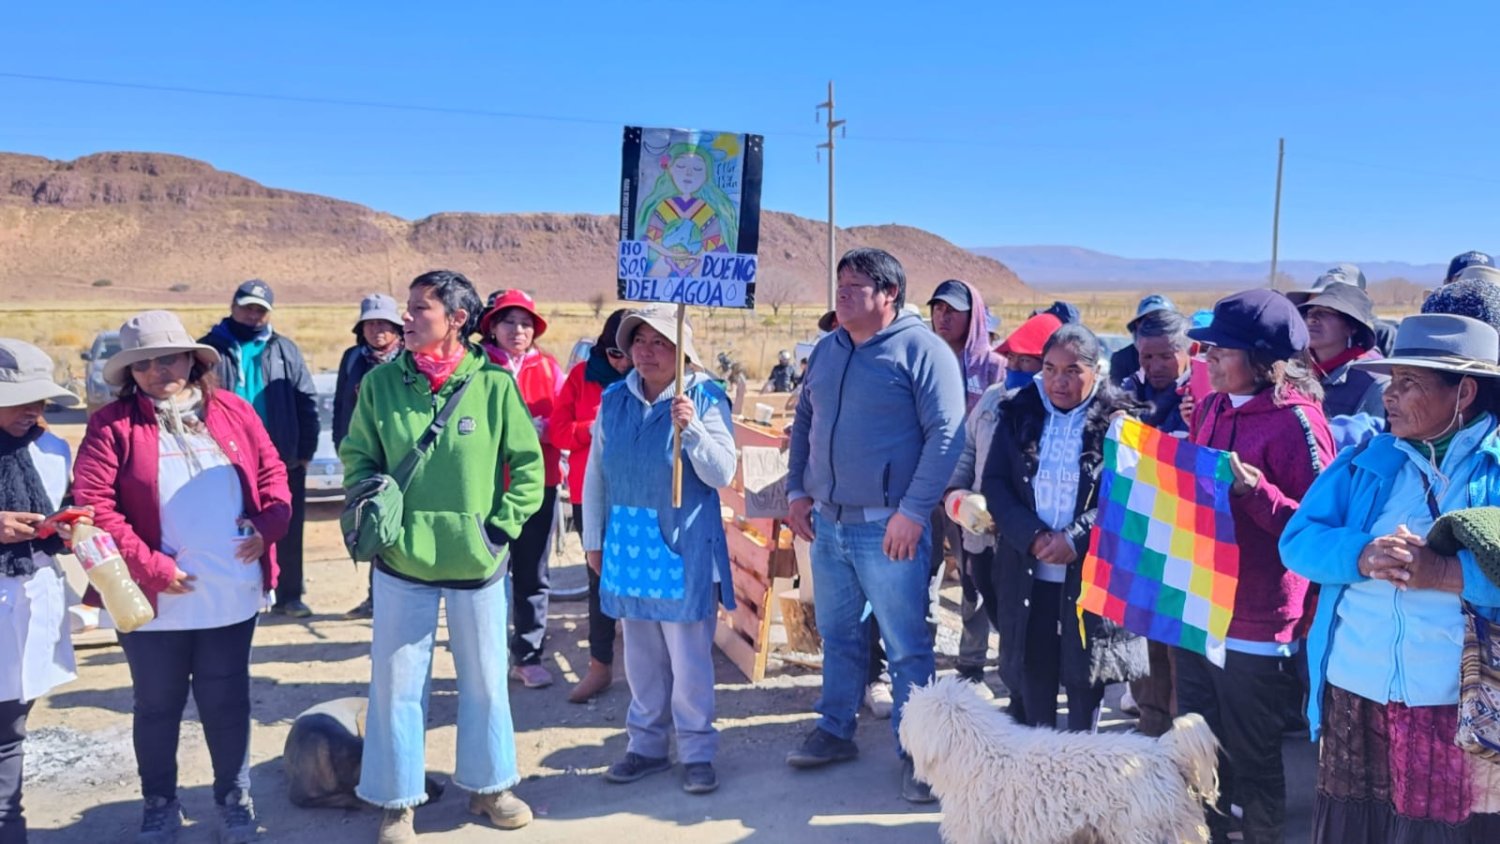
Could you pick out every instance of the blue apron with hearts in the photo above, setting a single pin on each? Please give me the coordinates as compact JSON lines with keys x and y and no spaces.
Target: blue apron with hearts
{"x":659,"y":563}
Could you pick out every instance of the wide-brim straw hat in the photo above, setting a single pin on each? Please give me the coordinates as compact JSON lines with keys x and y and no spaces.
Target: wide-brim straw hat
{"x":153,"y":334}
{"x":663,"y":318}
{"x":1445,"y":342}
{"x":26,"y":376}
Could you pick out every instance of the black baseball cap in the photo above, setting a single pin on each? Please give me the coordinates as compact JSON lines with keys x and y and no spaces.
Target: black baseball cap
{"x":1256,"y":319}
{"x":953,"y":293}
{"x":1472,"y":258}
{"x":255,"y":292}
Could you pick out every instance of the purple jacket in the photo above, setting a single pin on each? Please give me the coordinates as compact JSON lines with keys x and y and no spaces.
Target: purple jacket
{"x":116,"y":473}
{"x":1290,"y":444}
{"x":982,"y":366}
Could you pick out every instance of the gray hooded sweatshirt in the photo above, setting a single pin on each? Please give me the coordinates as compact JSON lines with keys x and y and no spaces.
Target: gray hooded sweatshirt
{"x":879,"y":426}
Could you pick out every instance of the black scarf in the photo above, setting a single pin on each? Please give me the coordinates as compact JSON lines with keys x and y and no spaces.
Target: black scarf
{"x":600,"y":370}
{"x":21,"y":491}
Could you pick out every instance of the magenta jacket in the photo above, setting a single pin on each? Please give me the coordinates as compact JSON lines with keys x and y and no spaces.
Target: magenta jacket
{"x":1289,"y":442}
{"x":116,"y":473}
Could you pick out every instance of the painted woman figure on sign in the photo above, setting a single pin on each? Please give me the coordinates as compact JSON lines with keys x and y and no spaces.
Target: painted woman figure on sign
{"x":686,"y":214}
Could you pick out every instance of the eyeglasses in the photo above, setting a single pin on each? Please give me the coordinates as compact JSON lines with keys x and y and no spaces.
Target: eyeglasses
{"x":163,"y":361}
{"x":615,"y":354}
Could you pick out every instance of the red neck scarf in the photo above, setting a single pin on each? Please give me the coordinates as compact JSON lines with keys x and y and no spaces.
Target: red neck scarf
{"x":1324,"y":367}
{"x":438,"y":369}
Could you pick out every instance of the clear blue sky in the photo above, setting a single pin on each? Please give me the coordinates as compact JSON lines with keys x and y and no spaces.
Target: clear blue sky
{"x":1142,"y":129}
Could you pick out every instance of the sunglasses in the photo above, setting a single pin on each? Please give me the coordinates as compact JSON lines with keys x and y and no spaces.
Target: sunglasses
{"x":615,"y":354}
{"x":163,"y":361}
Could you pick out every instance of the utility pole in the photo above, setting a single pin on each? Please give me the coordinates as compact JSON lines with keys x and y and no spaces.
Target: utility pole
{"x":1276,"y":215}
{"x":832,"y":125}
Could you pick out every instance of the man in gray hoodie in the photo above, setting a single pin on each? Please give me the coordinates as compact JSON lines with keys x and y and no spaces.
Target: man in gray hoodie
{"x":876,"y":436}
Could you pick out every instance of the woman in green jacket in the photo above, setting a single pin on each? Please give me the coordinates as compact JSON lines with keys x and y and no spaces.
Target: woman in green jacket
{"x":459,"y":518}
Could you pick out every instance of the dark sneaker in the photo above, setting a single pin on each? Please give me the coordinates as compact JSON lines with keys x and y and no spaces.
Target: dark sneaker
{"x":366,"y":609}
{"x":292,"y":609}
{"x":913,"y":789}
{"x":634,"y":766}
{"x":160,"y":821}
{"x":821,"y":748}
{"x":237,"y":819}
{"x":699,"y":778}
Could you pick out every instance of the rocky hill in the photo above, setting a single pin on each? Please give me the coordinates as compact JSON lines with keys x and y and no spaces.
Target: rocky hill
{"x":162,"y":226}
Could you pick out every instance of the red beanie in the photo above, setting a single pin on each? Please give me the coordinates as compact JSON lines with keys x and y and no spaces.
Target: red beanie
{"x":1031,"y":336}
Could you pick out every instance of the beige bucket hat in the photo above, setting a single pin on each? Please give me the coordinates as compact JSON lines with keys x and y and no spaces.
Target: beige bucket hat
{"x":153,"y":334}
{"x":26,"y":376}
{"x":663,"y":318}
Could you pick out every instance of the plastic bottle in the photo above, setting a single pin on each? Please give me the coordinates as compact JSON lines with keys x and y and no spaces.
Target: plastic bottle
{"x":101,"y":560}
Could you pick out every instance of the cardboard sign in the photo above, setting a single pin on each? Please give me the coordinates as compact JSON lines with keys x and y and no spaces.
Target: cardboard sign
{"x":764,"y":471}
{"x":689,"y":217}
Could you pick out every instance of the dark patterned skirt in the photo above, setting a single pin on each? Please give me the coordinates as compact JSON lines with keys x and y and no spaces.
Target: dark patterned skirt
{"x":1388,"y":772}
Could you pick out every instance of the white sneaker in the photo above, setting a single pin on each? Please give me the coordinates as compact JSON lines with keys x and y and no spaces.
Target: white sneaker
{"x":878,"y":699}
{"x":1128,"y":704}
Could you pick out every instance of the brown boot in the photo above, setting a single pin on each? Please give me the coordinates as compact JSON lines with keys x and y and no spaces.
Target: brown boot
{"x":396,"y":827}
{"x":597,"y":680}
{"x":504,"y":809}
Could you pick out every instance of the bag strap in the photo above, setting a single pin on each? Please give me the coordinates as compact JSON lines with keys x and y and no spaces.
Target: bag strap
{"x":408,"y":466}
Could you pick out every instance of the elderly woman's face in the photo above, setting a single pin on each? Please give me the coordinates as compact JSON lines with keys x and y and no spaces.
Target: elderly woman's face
{"x":1229,"y":371}
{"x":164,"y":376}
{"x":1420,"y":405}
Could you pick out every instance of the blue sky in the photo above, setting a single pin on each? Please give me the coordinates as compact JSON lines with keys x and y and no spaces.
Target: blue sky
{"x":1143,"y":129}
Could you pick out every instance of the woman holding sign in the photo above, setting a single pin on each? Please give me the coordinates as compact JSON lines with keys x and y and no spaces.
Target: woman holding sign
{"x":1385,"y":645}
{"x":662,"y":569}
{"x":1041,"y":482}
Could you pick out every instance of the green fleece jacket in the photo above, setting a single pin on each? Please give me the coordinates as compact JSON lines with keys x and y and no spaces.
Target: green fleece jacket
{"x":459,"y":515}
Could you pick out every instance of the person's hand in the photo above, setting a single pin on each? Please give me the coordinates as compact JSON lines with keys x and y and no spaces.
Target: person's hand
{"x":1185,"y":407}
{"x":683,"y":412}
{"x":1039,"y":544}
{"x":250,"y":548}
{"x":799,"y":519}
{"x":65,"y":529}
{"x":1385,"y":558}
{"x":785,"y":443}
{"x":1246,"y":477}
{"x":595,"y":559}
{"x":969,"y":511}
{"x":901,"y":538}
{"x":18,"y":527}
{"x":1057,"y":550}
{"x":1427,"y":569}
{"x":181,"y":583}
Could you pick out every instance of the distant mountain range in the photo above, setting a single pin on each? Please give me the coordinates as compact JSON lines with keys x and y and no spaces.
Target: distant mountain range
{"x":1076,"y":268}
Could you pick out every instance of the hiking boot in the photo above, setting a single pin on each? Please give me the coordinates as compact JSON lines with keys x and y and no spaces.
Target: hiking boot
{"x":634,"y":766}
{"x":292,"y":609}
{"x":821,"y":748}
{"x":396,"y":827}
{"x":532,"y":676}
{"x":913,"y":789}
{"x":160,"y":821}
{"x":600,"y":676}
{"x":237,"y":819}
{"x":878,"y":699}
{"x":366,"y":609}
{"x":505,"y":810}
{"x":699,"y":778}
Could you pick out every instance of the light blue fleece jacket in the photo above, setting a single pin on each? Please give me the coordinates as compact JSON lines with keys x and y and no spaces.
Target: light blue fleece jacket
{"x":1350,"y":504}
{"x":1058,"y":469}
{"x":879,"y":427}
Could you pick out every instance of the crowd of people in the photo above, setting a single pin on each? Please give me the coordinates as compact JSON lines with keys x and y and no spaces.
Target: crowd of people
{"x":1359,"y":449}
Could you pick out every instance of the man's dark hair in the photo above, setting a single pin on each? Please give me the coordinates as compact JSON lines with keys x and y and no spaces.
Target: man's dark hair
{"x":1165,"y":323}
{"x":881,"y":267}
{"x":456,"y":293}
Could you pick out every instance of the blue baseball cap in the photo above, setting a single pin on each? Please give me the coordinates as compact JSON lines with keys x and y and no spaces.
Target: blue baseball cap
{"x":1151,"y":304}
{"x":1472,"y":258}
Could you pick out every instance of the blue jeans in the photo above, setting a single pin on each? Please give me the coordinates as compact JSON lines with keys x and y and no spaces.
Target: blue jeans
{"x":851,"y":570}
{"x":392,"y":774}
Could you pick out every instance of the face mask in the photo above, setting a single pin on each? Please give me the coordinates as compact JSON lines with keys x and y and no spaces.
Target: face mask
{"x":1015,"y":379}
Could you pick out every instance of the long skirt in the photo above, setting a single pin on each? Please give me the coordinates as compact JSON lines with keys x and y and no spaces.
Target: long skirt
{"x":1388,"y":772}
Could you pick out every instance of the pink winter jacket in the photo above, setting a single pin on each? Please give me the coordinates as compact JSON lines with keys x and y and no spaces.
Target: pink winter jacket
{"x":116,"y":473}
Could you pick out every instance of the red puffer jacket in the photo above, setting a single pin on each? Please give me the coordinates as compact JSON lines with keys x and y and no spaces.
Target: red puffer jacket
{"x":572,"y":417}
{"x":540,"y":379}
{"x":116,"y":473}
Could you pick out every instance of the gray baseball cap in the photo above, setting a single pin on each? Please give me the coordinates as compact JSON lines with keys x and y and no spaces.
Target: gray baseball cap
{"x":26,"y":376}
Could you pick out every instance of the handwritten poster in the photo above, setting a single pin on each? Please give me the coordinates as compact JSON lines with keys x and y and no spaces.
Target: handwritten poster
{"x":764,"y":470}
{"x":689,"y":217}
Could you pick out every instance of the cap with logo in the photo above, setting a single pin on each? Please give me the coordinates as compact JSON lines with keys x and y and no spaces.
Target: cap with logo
{"x":255,"y":292}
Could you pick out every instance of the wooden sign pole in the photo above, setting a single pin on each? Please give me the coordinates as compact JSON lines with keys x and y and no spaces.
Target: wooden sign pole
{"x":676,"y":431}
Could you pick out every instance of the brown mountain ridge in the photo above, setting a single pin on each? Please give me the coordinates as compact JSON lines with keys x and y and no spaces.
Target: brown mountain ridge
{"x":151,"y":223}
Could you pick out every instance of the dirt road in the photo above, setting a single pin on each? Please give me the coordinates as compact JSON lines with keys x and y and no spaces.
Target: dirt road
{"x":82,"y":787}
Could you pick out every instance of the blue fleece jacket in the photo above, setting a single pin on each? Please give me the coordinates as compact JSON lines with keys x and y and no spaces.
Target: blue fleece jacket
{"x":1337,"y":519}
{"x":879,"y":426}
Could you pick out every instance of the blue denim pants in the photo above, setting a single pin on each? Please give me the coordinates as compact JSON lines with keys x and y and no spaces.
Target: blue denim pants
{"x":850,"y":571}
{"x":393,"y":772}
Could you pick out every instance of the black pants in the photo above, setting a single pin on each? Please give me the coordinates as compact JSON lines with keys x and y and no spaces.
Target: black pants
{"x":601,"y":626}
{"x":1042,"y":667}
{"x":12,"y":735}
{"x":215,"y":663}
{"x":531,"y":582}
{"x":289,"y":585}
{"x":1246,"y":703}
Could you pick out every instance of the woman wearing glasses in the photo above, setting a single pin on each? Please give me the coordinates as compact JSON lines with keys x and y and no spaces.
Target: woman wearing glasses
{"x":186,"y":480}
{"x":572,"y":416}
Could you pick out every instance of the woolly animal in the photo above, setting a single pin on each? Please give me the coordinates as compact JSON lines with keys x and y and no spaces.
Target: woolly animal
{"x":1002,"y":783}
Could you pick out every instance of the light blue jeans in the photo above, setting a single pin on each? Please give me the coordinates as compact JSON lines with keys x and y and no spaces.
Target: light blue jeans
{"x":393,"y":772}
{"x":850,"y":570}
